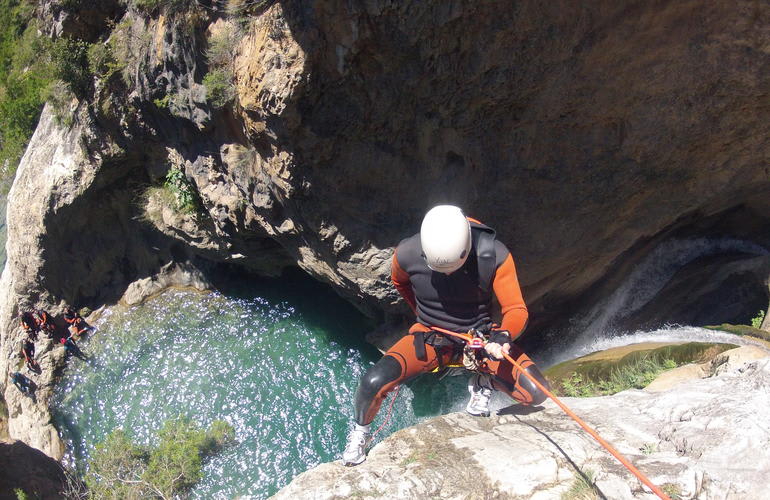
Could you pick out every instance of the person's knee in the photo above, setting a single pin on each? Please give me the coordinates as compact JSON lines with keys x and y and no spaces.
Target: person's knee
{"x":538,"y":396}
{"x":387,"y":370}
{"x":378,"y":376}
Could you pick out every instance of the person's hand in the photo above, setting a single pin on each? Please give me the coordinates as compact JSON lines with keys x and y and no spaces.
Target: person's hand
{"x":499,"y":344}
{"x":497,"y":351}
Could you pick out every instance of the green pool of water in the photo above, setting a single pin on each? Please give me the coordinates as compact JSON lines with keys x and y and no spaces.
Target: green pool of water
{"x":281,"y":364}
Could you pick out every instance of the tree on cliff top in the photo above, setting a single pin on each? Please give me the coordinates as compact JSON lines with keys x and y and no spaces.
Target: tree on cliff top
{"x":119,"y":468}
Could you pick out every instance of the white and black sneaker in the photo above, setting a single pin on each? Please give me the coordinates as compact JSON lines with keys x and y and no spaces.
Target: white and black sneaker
{"x":480,"y":387}
{"x":355,"y":452}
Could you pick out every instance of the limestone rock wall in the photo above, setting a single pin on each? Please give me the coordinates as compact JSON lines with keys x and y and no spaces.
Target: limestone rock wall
{"x":585,"y":134}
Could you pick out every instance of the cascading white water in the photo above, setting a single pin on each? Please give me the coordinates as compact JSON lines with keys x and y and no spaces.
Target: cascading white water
{"x":673,"y":333}
{"x":594,"y":331}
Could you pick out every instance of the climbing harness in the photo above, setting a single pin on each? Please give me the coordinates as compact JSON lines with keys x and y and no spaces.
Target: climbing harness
{"x":636,"y":472}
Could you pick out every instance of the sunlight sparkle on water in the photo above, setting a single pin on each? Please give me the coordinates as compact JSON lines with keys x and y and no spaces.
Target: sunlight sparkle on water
{"x":285,"y":386}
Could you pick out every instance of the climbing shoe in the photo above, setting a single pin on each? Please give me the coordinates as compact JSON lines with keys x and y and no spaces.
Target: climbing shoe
{"x":480,"y":387}
{"x":355,"y":452}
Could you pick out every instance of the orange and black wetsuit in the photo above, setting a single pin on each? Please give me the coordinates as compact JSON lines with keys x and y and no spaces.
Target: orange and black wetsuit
{"x":28,"y":350}
{"x":45,"y":323}
{"x":457,"y":302}
{"x":76,"y":320}
{"x":29,"y":325}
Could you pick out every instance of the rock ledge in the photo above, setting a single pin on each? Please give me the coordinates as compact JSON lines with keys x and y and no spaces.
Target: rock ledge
{"x":705,"y":439}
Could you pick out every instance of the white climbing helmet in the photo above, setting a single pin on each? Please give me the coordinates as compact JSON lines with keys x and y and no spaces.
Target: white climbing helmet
{"x":445,"y":236}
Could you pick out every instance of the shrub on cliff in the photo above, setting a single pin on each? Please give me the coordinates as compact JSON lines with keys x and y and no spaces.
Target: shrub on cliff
{"x":219,"y":87}
{"x":69,"y":57}
{"x":185,"y":196}
{"x":220,"y":53}
{"x":120,"y":468}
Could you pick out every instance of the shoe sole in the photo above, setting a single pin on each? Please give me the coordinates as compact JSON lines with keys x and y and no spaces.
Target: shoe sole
{"x":483,"y":414}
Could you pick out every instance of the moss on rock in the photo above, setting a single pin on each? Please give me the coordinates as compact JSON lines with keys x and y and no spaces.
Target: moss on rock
{"x":594,"y":375}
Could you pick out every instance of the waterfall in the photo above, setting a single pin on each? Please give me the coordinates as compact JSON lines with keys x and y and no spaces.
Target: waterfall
{"x":595,"y":331}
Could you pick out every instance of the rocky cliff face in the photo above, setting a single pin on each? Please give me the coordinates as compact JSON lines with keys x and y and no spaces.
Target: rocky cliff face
{"x":586,"y":135}
{"x":31,"y":471}
{"x":702,"y":439}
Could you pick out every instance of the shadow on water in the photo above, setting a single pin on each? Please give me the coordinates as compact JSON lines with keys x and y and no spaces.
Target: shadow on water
{"x":320,"y":308}
{"x":436,"y":395}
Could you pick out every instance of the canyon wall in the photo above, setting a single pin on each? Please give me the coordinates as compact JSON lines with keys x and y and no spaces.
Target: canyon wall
{"x":587,"y":135}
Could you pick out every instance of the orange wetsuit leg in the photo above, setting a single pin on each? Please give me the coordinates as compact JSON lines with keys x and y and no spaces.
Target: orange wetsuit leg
{"x":509,"y":379}
{"x":398,"y":365}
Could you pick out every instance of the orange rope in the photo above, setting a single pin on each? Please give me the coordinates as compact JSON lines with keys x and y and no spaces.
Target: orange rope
{"x":636,"y":472}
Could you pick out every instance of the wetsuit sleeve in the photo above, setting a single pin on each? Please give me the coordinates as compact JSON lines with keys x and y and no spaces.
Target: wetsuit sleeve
{"x":401,"y":281}
{"x":508,"y":292}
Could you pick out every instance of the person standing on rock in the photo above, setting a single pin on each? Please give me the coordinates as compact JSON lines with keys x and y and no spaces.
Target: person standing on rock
{"x":29,"y":324}
{"x":448,"y":273}
{"x":45,"y":323}
{"x":77,"y":325}
{"x":28,"y":352}
{"x":71,"y":348}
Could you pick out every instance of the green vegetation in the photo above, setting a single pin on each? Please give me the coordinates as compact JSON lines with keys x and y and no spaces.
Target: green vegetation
{"x":672,"y":490}
{"x":176,"y":192}
{"x":247,"y":7}
{"x":741,"y":330}
{"x":59,"y":95}
{"x":163,"y":102}
{"x":220,"y":90}
{"x":185,"y":195}
{"x":219,"y":87}
{"x":756,"y":321}
{"x":70,"y":64}
{"x":119,"y":468}
{"x":101,"y":59}
{"x":635,"y":375}
{"x":582,"y":488}
{"x":23,"y":75}
{"x":33,"y":70}
{"x":151,"y":6}
{"x":597,"y":377}
{"x":20,"y":494}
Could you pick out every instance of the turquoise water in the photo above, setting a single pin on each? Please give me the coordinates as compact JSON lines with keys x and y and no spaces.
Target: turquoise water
{"x":280,"y":363}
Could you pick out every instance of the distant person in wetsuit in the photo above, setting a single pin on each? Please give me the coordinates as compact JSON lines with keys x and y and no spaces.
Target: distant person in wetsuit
{"x":77,"y":324}
{"x":448,"y":273}
{"x":29,"y":324}
{"x":28,"y":351}
{"x":45,"y":323}
{"x":72,"y":348}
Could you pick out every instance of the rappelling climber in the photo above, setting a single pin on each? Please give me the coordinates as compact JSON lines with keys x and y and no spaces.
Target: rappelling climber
{"x":77,"y":325}
{"x":29,"y":324}
{"x":448,"y":273}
